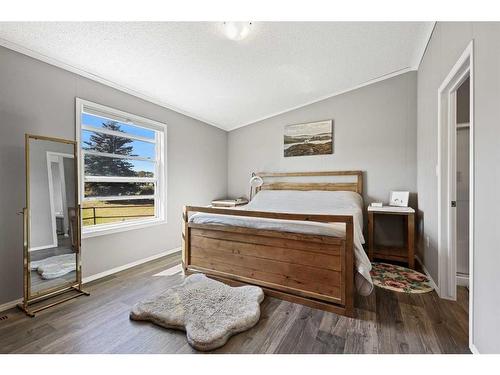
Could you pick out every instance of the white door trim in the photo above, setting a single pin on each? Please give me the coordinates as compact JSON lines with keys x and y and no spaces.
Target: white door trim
{"x":51,"y":200}
{"x":60,"y":155}
{"x":447,"y":280}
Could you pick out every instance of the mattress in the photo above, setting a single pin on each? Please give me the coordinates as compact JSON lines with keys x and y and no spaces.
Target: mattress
{"x":305,"y":202}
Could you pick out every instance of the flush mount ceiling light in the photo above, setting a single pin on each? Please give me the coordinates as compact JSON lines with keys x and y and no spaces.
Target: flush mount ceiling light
{"x":237,"y":30}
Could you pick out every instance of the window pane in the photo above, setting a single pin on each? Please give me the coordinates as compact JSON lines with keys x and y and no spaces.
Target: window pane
{"x":108,"y":189}
{"x":111,"y":144}
{"x":99,"y":122}
{"x":117,"y":167}
{"x":104,"y":212}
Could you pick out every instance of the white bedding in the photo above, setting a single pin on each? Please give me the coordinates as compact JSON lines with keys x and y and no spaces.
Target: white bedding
{"x":305,"y":202}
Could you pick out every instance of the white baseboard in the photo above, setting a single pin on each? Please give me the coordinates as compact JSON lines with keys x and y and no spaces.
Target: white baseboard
{"x":51,"y":246}
{"x":129,"y":265}
{"x":171,"y":271}
{"x":462,"y":279}
{"x":473,"y":349}
{"x":431,"y":280}
{"x":10,"y":305}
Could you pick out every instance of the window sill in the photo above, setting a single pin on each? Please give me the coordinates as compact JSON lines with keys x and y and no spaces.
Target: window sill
{"x":111,"y":229}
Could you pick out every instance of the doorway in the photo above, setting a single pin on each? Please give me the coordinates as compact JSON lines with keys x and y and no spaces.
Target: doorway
{"x":59,"y":168}
{"x":455,"y":175}
{"x":462,"y":155}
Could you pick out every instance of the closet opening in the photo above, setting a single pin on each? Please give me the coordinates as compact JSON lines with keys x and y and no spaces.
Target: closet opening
{"x":455,"y":175}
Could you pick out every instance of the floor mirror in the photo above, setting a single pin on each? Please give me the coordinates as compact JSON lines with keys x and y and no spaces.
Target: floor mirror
{"x":52,"y":225}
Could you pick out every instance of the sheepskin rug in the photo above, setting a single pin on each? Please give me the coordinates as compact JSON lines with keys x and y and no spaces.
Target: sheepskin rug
{"x":54,"y":267}
{"x":209,"y":311}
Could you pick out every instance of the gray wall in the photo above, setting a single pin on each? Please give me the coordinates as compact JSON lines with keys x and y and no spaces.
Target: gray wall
{"x":374,"y":131}
{"x":39,"y":98}
{"x":447,"y":43}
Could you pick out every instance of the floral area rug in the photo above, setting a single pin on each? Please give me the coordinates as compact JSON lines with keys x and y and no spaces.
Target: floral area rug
{"x":399,"y":279}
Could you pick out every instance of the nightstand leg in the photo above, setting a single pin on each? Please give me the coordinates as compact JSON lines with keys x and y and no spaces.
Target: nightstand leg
{"x":370,"y":236}
{"x":411,"y":240}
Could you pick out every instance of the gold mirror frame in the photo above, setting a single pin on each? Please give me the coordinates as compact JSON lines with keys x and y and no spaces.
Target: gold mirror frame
{"x":34,"y":302}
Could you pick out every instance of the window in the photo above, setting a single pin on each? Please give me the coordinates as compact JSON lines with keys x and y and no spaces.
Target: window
{"x":122,"y":168}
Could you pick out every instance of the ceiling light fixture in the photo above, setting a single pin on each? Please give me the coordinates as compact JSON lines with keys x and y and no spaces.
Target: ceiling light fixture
{"x":237,"y":30}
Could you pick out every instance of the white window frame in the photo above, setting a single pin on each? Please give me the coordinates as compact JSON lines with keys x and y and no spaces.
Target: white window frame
{"x":160,"y":195}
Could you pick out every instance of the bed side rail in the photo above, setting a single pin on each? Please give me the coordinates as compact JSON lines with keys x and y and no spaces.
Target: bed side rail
{"x":269,"y":215}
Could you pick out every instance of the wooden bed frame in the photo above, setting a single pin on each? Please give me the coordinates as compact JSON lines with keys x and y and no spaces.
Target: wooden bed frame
{"x":313,"y":270}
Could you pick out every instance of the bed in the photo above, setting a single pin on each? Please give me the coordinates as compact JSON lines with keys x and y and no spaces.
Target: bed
{"x":299,"y":241}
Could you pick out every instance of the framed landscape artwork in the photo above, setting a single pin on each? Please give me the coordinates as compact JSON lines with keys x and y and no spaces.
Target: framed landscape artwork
{"x":313,"y":138}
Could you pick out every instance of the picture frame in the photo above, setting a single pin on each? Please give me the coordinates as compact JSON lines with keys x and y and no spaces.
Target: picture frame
{"x":399,"y":198}
{"x":308,"y":139}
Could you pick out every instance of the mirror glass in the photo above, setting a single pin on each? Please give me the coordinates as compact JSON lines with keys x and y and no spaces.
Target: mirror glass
{"x":53,"y":224}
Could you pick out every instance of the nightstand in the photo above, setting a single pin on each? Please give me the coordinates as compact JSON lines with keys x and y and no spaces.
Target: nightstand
{"x":401,"y":254}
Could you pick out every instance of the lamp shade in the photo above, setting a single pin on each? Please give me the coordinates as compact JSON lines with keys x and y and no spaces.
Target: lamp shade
{"x":256,"y":181}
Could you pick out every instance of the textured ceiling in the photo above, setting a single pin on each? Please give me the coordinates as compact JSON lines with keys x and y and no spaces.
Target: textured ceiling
{"x":194,"y":68}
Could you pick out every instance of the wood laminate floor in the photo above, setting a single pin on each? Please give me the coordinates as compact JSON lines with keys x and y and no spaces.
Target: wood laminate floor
{"x":387,"y":322}
{"x":63,"y":247}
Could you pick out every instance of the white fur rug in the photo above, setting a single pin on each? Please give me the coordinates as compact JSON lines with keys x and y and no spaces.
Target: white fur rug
{"x":209,"y":311}
{"x":54,"y":267}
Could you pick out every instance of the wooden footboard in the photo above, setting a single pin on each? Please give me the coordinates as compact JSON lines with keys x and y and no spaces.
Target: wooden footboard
{"x":313,"y":270}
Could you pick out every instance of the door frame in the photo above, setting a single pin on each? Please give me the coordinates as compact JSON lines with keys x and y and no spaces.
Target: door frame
{"x":60,"y":157}
{"x":446,"y":176}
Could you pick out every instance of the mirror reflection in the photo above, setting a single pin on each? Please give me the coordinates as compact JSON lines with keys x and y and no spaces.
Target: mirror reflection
{"x":53,"y":226}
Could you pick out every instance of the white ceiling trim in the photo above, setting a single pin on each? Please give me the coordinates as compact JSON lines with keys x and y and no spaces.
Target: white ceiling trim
{"x":94,"y":77}
{"x":426,"y":44}
{"x":97,"y":78}
{"x":367,"y":83}
{"x":416,"y":65}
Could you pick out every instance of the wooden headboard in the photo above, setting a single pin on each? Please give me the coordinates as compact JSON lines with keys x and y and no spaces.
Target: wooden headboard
{"x":356,"y":186}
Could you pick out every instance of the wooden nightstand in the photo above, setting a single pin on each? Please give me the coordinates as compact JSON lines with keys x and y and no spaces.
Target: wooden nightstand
{"x":404,"y":254}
